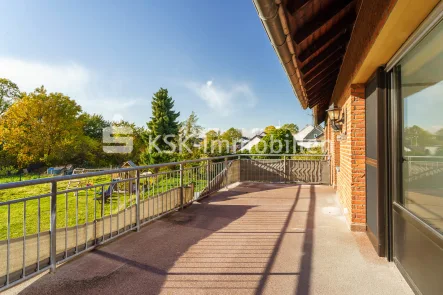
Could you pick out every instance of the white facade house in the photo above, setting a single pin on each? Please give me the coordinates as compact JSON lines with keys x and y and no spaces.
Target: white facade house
{"x":253,"y":141}
{"x":310,"y":137}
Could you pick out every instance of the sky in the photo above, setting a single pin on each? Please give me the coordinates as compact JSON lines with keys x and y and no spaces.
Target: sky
{"x":214,"y":57}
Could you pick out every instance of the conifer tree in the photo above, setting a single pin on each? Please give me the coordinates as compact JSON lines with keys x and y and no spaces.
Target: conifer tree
{"x":164,"y":118}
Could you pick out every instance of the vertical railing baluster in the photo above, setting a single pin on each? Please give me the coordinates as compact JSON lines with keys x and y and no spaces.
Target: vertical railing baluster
{"x":8,"y":244}
{"x":38,"y":234}
{"x":66,"y":225}
{"x":208,"y":177}
{"x":284,"y":168}
{"x":95,"y":216}
{"x":53,"y":226}
{"x":181,"y":186}
{"x":103,"y":213}
{"x":225,"y":168}
{"x":24,"y":240}
{"x":137,"y":200}
{"x":86,"y":220}
{"x":110,"y":213}
{"x":118,"y":212}
{"x":76,"y":222}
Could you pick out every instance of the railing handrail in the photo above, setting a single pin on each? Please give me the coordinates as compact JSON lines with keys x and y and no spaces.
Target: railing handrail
{"x":100,"y":173}
{"x":120,"y":170}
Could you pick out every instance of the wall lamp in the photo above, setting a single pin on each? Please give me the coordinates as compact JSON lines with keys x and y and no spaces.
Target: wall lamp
{"x":334,"y":117}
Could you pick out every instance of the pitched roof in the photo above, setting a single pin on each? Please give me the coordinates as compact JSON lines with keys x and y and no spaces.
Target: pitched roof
{"x":306,"y":131}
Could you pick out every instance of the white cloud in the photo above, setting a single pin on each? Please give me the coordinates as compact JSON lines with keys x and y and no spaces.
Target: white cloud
{"x":90,"y":90}
{"x":224,"y":100}
{"x":29,"y":75}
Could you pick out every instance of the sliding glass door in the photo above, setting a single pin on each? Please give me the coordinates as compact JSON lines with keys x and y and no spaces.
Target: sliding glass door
{"x":418,"y":206}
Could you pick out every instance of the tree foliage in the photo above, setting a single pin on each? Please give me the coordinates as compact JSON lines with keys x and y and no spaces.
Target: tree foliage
{"x":164,"y":119}
{"x":190,"y":130}
{"x":293,"y":128}
{"x":163,"y":123}
{"x":280,"y":141}
{"x":9,"y":91}
{"x":41,"y":127}
{"x":93,"y":125}
{"x":232,"y":135}
{"x":269,"y":129}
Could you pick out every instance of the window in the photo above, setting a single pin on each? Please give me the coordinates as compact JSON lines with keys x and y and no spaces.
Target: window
{"x":420,"y":74}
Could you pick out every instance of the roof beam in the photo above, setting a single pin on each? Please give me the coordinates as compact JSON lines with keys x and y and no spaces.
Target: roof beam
{"x":342,"y":27}
{"x":323,"y":79}
{"x":326,"y":79}
{"x":321,"y":99}
{"x":332,"y":52}
{"x":332,"y":63}
{"x":294,"y":5}
{"x":330,"y":71}
{"x":321,"y":89}
{"x":320,"y":19}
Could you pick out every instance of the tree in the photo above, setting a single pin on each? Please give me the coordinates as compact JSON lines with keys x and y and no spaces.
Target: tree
{"x":8,"y":93}
{"x":94,"y":125}
{"x":280,"y":141}
{"x":213,"y":144}
{"x":163,"y":125}
{"x":212,"y":135}
{"x":190,"y":130}
{"x":41,"y":127}
{"x":232,"y":135}
{"x":293,"y":128}
{"x":164,"y":119}
{"x":269,"y":129}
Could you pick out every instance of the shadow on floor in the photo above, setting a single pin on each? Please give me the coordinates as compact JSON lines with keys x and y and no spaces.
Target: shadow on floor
{"x":234,"y":242}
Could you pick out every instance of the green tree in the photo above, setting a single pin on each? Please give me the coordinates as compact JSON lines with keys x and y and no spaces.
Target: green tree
{"x":212,"y":135}
{"x":213,"y":144}
{"x":269,"y":129}
{"x":93,"y":125}
{"x":232,"y":135}
{"x":163,"y":125}
{"x":293,"y":128}
{"x":280,"y":141}
{"x":190,"y":130}
{"x":41,"y":127}
{"x":164,"y":118}
{"x":9,"y":91}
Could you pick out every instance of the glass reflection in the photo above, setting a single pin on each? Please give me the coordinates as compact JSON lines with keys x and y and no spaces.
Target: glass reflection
{"x":421,"y":75}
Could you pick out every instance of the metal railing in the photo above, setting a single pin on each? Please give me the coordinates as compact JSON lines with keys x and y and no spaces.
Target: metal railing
{"x":55,"y":223}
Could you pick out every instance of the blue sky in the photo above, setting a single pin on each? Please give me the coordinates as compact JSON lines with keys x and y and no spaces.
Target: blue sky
{"x":214,"y":57}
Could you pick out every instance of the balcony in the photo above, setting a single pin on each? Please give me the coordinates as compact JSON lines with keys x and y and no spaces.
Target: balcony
{"x":212,"y":230}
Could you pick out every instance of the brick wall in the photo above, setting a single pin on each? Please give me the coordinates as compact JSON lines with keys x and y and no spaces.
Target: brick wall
{"x":348,"y":152}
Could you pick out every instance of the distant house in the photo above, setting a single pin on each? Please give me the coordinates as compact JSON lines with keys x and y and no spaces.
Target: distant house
{"x":310,"y":136}
{"x":247,"y":146}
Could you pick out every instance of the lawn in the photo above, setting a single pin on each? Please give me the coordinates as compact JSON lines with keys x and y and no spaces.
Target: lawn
{"x":13,"y":178}
{"x":77,"y":207}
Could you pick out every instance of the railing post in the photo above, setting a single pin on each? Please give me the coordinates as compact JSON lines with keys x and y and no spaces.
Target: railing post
{"x":284,"y":168}
{"x":137,"y":200}
{"x":53,"y":227}
{"x":226,"y":172}
{"x":208,"y":176}
{"x":181,"y":187}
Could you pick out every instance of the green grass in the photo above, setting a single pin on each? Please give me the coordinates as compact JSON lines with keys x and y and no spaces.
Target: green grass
{"x":78,"y":207}
{"x":14,"y":178}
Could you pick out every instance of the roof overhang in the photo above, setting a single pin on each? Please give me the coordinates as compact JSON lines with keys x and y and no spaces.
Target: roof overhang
{"x":310,"y":38}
